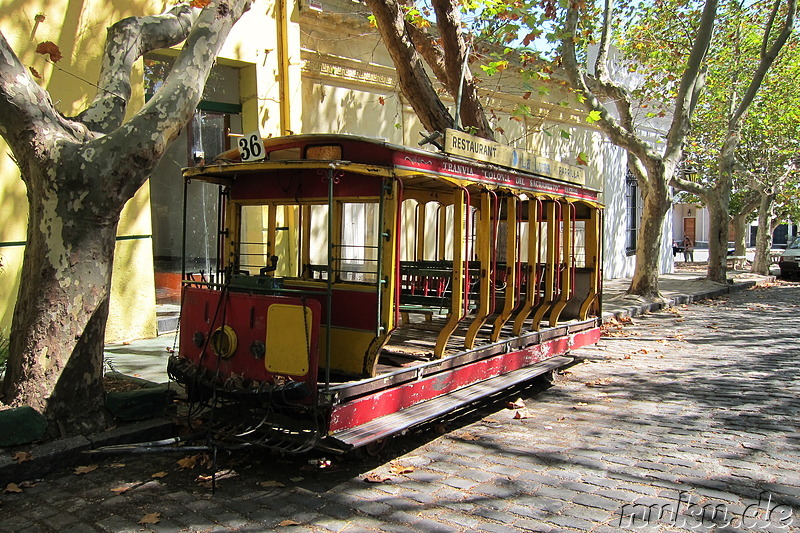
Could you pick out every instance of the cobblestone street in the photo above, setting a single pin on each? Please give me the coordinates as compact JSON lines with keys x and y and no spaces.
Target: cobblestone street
{"x":681,"y":420}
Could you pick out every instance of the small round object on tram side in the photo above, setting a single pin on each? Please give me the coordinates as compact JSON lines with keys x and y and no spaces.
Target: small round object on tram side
{"x":224,"y":342}
{"x":198,"y":339}
{"x":258,"y":349}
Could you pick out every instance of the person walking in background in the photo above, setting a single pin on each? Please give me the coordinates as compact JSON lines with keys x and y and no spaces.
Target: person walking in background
{"x":688,"y":250}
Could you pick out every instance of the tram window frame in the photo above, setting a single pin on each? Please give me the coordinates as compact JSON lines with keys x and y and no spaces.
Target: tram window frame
{"x":346,"y":209}
{"x":306,"y":246}
{"x":285,"y":235}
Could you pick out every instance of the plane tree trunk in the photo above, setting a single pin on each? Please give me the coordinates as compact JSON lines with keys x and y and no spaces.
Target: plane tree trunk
{"x":79,"y":173}
{"x":766,"y":216}
{"x":654,"y":169}
{"x":739,"y":223}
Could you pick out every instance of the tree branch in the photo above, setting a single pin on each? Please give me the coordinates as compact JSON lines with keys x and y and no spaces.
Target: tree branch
{"x":768,"y":56}
{"x":414,"y":81}
{"x":127,"y":41}
{"x":624,"y":137}
{"x":172,"y":106}
{"x":601,"y":62}
{"x":430,"y":52}
{"x":691,"y":81}
{"x":29,"y":122}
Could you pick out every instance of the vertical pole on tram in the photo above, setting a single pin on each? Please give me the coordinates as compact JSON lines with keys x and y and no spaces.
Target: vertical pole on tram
{"x":329,"y":304}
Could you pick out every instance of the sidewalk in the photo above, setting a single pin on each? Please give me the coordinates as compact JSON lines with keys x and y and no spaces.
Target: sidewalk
{"x":147,"y":358}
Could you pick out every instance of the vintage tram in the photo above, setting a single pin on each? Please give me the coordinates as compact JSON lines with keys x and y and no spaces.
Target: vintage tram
{"x":361,"y":288}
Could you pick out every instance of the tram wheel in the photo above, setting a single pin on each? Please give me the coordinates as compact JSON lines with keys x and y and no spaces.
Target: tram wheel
{"x":371,"y":449}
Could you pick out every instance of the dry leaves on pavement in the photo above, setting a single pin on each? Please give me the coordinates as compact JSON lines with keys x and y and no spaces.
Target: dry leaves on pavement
{"x":12,"y":488}
{"x":375,"y":477}
{"x":21,"y":457}
{"x":152,"y":518}
{"x":81,"y":470}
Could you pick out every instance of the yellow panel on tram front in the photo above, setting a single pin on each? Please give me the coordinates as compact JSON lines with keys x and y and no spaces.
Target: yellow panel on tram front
{"x":288,"y":334}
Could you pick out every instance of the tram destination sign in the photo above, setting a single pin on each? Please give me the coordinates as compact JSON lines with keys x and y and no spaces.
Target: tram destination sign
{"x":466,"y":145}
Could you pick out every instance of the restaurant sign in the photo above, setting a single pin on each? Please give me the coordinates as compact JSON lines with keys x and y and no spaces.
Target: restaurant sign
{"x":466,"y":145}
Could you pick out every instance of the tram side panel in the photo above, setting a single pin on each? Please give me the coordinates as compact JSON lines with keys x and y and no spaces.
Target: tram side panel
{"x":256,"y":344}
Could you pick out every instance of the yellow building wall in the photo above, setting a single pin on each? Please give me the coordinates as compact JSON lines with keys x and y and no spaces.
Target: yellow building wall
{"x":267,"y":37}
{"x":76,"y":28}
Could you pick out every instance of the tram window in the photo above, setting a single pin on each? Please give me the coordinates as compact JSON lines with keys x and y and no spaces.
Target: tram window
{"x":358,"y":259}
{"x":580,"y":244}
{"x":318,"y":239}
{"x":253,"y":238}
{"x":287,"y":240}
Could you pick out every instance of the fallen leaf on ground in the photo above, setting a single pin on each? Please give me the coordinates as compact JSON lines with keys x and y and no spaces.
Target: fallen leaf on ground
{"x":272,"y":484}
{"x":469,"y":436}
{"x":521,"y":413}
{"x":289,"y":523}
{"x":121,"y":490}
{"x":374,"y":477}
{"x":21,"y":457}
{"x":518,"y":404}
{"x":222,"y":474}
{"x":79,"y":471}
{"x":152,"y":518}
{"x":189,"y":462}
{"x":400,"y":469}
{"x":159,"y":475}
{"x":12,"y":488}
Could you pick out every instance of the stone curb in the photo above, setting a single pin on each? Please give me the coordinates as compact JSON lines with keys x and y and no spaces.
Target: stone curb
{"x":64,"y":453}
{"x":650,"y":307}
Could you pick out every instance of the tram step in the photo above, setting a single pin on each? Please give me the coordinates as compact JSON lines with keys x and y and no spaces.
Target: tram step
{"x":422,"y":412}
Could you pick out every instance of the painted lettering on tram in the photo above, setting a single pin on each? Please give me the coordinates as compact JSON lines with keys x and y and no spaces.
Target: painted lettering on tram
{"x":419,"y":161}
{"x":457,"y":168}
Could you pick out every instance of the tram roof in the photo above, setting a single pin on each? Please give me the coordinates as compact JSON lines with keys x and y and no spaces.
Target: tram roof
{"x":377,"y":157}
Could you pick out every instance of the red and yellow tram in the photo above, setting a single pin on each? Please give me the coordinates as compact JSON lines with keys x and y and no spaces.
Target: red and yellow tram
{"x":361,"y":288}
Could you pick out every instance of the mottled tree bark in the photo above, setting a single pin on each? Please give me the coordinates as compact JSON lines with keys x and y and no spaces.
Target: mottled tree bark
{"x":766,"y":216}
{"x":653,"y":169}
{"x":79,"y":174}
{"x":739,"y":223}
{"x":409,"y":45}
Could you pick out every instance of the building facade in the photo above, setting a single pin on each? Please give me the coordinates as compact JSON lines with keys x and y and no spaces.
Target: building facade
{"x":288,"y":67}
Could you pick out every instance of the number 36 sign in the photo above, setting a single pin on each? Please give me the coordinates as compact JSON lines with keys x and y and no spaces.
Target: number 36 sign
{"x":251,"y":148}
